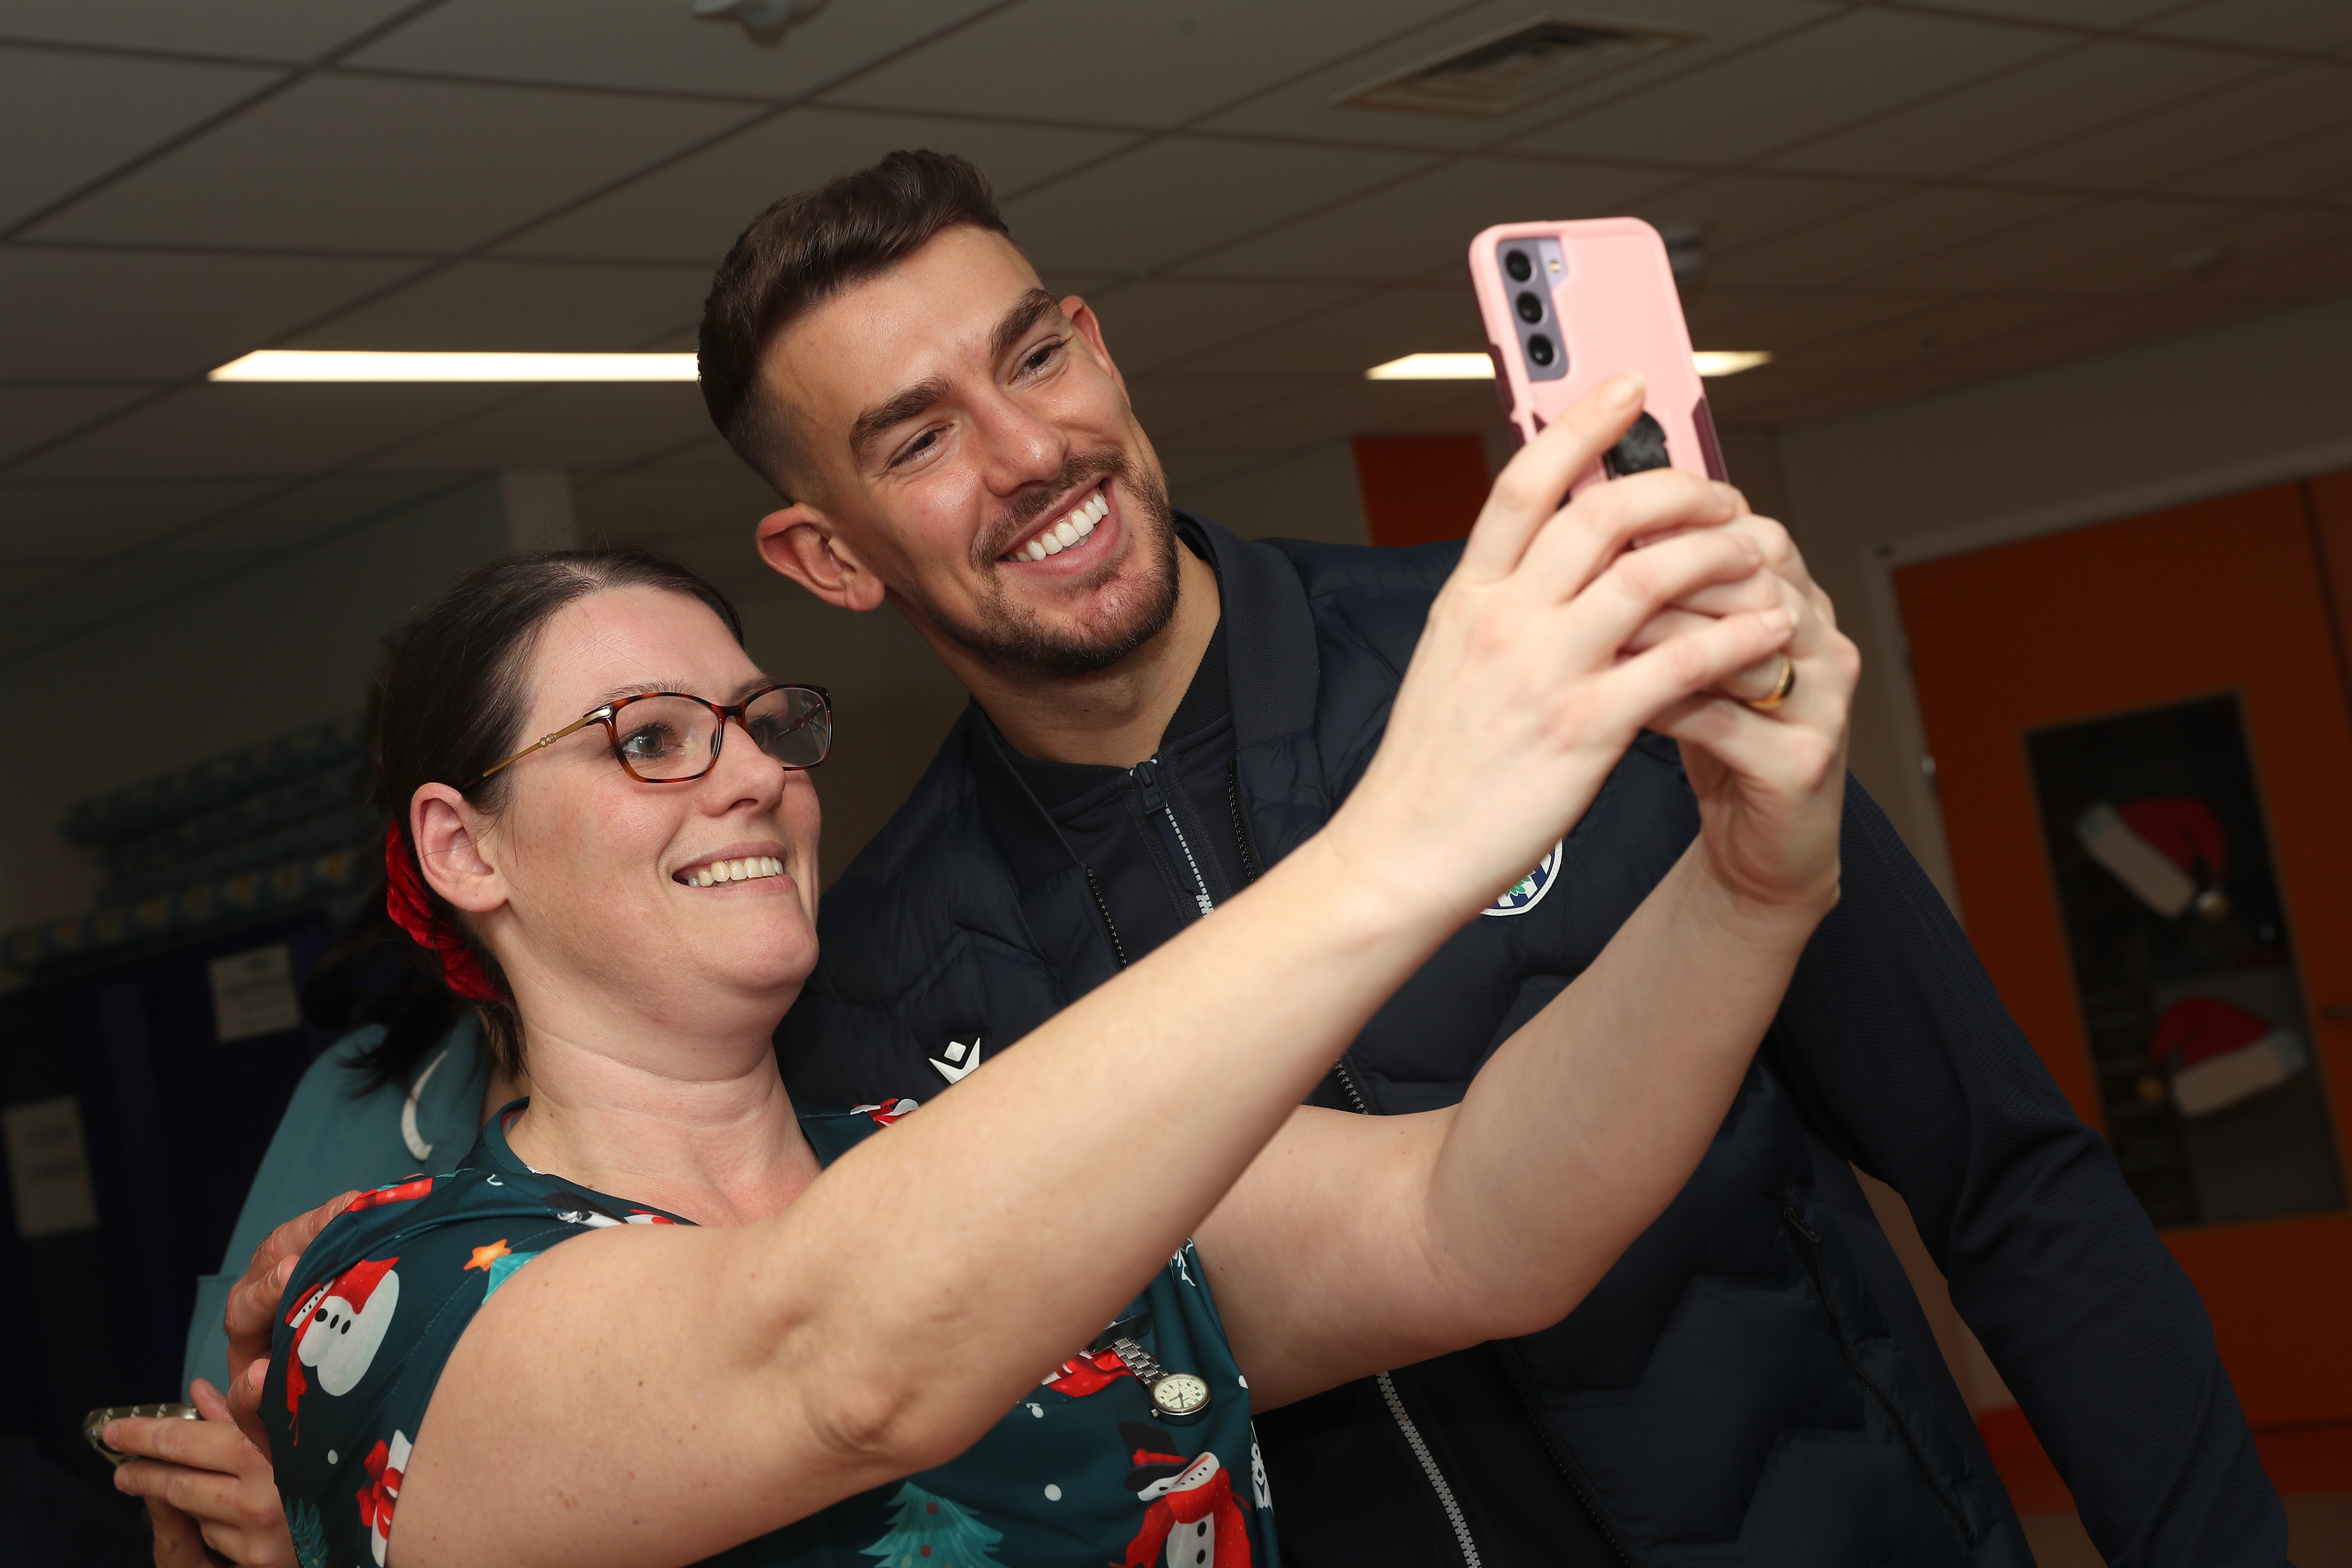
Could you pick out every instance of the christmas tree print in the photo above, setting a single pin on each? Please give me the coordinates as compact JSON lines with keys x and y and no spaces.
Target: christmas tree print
{"x":309,"y":1532}
{"x":929,"y":1532}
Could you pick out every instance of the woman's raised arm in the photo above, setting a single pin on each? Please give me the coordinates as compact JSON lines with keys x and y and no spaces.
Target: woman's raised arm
{"x":1357,"y":1244}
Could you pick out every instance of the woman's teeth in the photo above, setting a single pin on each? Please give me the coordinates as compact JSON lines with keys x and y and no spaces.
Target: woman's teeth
{"x":749,"y":869}
{"x":1068,"y":531}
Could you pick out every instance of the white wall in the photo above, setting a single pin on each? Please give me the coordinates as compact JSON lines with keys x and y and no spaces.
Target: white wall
{"x":286,"y":643}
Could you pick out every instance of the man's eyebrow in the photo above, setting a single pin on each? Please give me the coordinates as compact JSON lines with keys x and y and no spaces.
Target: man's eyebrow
{"x":1027,"y":311}
{"x":870,"y":426}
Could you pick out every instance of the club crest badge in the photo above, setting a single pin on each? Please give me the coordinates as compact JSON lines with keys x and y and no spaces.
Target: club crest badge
{"x":1529,"y":891}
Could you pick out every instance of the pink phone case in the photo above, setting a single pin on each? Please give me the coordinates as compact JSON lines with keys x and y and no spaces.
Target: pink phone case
{"x":1602,"y":292}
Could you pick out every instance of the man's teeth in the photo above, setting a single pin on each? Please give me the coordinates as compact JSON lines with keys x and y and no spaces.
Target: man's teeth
{"x":749,"y":869}
{"x":1068,"y":531}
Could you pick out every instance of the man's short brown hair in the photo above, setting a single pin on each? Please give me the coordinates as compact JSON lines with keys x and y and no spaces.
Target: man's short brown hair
{"x":805,"y":250}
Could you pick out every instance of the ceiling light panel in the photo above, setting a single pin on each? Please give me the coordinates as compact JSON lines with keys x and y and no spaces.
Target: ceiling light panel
{"x":1479,"y":368}
{"x":1506,"y":72}
{"x":367,"y":365}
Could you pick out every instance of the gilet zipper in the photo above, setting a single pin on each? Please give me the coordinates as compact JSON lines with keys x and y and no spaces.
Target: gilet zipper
{"x":1809,"y":1250}
{"x":1147,"y":777}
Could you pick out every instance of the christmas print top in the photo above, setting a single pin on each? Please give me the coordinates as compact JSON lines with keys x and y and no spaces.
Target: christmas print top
{"x":1080,"y":1473}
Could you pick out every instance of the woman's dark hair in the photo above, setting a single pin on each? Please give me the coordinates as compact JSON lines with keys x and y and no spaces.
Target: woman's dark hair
{"x":449,"y":700}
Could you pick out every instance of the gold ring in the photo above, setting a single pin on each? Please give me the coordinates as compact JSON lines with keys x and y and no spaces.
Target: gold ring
{"x":1781,"y":688}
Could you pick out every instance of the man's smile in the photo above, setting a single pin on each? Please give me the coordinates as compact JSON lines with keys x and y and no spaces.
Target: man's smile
{"x":1067,"y":528}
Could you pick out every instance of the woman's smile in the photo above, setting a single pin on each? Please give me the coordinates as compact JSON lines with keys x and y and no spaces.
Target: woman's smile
{"x":736,"y":864}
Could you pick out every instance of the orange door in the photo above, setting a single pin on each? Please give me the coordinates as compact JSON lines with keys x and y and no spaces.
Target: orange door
{"x":2144,"y":755}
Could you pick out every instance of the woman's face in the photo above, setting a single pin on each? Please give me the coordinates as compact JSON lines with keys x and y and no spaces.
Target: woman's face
{"x":600,"y":871}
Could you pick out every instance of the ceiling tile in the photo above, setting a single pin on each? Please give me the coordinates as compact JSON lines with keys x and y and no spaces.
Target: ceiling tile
{"x":561,"y":427}
{"x":2182,"y":138}
{"x":309,"y":512}
{"x":2095,"y":14}
{"x":367,"y":164}
{"x":156,"y":314}
{"x":88,"y":522}
{"x":88,"y":598}
{"x":1155,"y":66}
{"x":2237,"y":251}
{"x":540,"y":307}
{"x":2297,"y":171}
{"x":2040,"y":103}
{"x":2022,"y":255}
{"x":1178,"y":196}
{"x":1427,"y":221}
{"x":1783,"y":323}
{"x":632,"y":43}
{"x":1925,"y":335}
{"x":1161,"y":319}
{"x":1860,"y":65}
{"x":1361,"y":407}
{"x":1881,"y":236}
{"x":693,"y":209}
{"x":1308,"y":106}
{"x":212,"y":431}
{"x":1342,"y":344}
{"x":32,"y":415}
{"x":1735,"y":211}
{"x":2271,"y":24}
{"x":267,"y":30}
{"x":68,"y":118}
{"x":1168,"y":406}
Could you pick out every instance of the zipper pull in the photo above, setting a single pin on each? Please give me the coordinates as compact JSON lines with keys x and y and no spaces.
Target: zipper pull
{"x":1796,"y":1222}
{"x":1147,"y":777}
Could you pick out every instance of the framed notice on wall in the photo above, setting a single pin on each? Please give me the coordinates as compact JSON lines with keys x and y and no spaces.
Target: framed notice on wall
{"x":2184,"y":967}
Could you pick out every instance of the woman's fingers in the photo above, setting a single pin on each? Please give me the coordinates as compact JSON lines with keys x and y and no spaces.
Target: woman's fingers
{"x":1653,"y":683}
{"x":1534,"y":485}
{"x":179,"y":1543}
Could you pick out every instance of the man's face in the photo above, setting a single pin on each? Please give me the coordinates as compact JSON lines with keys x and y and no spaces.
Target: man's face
{"x":964,"y":440}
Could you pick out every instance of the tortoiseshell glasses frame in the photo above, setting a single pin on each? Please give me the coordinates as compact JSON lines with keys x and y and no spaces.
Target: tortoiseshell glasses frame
{"x":791,"y":731}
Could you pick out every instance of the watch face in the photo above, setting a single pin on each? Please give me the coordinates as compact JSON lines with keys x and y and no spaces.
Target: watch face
{"x":1180,"y":1393}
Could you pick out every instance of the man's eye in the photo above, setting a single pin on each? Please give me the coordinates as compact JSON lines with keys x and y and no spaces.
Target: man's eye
{"x":1041,"y":356}
{"x":916,"y":447}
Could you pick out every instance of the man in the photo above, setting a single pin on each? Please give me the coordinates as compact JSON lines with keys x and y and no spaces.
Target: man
{"x":1160,"y":709}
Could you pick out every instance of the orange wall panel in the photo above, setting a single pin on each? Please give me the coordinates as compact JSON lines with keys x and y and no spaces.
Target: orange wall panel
{"x":1419,"y":489}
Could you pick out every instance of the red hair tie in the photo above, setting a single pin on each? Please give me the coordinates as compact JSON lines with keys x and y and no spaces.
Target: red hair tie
{"x":404,"y":898}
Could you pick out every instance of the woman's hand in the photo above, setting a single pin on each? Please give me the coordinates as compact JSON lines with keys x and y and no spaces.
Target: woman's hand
{"x":1533,"y":673}
{"x":253,"y":1308}
{"x":210,"y":1492}
{"x":1771,"y":783}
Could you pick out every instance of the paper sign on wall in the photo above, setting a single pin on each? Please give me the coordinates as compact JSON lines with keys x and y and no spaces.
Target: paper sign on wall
{"x":253,"y":994}
{"x":48,"y":1167}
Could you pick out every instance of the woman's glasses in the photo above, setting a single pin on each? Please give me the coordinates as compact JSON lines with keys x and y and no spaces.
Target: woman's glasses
{"x":668,"y":737}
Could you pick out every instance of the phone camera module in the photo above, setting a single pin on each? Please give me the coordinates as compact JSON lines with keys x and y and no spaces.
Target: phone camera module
{"x":1517,"y":264}
{"x":1540,"y":351}
{"x":1530,"y":308}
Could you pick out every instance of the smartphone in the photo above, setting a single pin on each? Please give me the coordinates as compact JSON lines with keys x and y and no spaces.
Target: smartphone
{"x":94,"y":1425}
{"x":1568,"y":304}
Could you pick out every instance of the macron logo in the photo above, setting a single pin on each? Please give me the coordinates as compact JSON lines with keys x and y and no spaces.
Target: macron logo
{"x":961,"y":1059}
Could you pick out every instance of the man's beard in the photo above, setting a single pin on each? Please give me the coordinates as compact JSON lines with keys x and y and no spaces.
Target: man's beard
{"x":1015,"y":639}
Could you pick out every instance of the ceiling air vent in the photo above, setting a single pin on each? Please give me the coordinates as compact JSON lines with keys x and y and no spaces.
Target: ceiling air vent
{"x":1504,"y":72}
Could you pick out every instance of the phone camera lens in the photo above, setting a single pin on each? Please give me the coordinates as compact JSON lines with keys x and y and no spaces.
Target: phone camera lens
{"x":1517,"y":264}
{"x":1530,"y":308}
{"x":1539,"y":348}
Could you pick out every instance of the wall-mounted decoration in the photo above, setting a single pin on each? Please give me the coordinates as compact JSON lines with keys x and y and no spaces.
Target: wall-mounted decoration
{"x":2184,"y":968}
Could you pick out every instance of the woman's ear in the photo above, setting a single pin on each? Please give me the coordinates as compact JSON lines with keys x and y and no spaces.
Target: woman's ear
{"x":447,"y":833}
{"x":802,"y":545}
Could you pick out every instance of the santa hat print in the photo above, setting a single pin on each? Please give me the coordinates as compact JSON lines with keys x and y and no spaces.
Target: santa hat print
{"x":2156,"y":846}
{"x":2221,"y":1054}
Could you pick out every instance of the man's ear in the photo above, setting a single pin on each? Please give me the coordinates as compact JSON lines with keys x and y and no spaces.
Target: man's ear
{"x":447,"y":830}
{"x":1082,"y":316}
{"x":800,"y":544}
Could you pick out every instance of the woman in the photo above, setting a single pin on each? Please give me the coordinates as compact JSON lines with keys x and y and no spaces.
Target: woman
{"x":638,"y":1325}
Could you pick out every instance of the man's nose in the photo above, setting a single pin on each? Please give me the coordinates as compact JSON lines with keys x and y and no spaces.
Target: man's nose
{"x":1019,"y":445}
